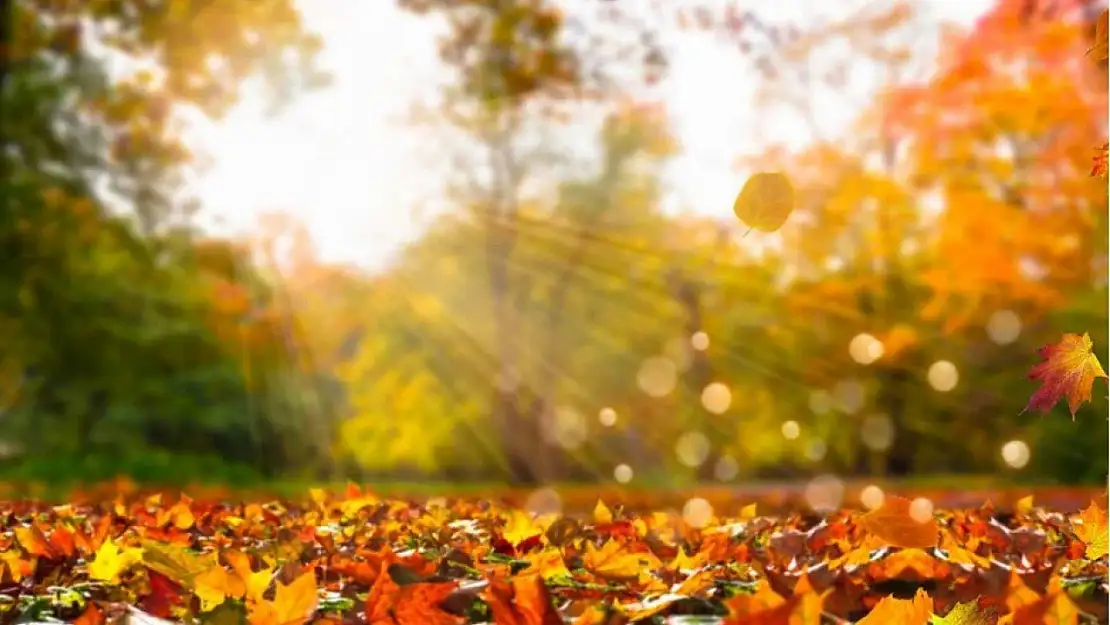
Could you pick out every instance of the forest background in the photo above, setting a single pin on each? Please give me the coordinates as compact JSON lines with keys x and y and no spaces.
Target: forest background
{"x":557,"y":323}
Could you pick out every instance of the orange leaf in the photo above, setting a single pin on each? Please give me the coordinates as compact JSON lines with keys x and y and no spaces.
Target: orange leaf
{"x":893,"y":524}
{"x":917,"y":611}
{"x":525,"y":600}
{"x":1069,"y":370}
{"x":92,"y":615}
{"x":419,"y":604}
{"x":762,"y":606}
{"x":1093,"y":531}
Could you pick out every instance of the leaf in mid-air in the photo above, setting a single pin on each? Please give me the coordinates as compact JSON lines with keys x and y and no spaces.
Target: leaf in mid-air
{"x":1100,"y":50}
{"x":1069,"y":370}
{"x":765,"y":201}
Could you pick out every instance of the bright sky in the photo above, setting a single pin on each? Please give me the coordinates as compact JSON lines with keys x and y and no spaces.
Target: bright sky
{"x":345,"y":162}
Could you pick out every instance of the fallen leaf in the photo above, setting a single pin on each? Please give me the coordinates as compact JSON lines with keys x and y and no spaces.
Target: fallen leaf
{"x":889,"y":610}
{"x":523,"y":600}
{"x":1069,"y":370}
{"x":111,"y":561}
{"x":968,"y":613}
{"x":893,"y":524}
{"x":293,"y":604}
{"x":1093,"y":531}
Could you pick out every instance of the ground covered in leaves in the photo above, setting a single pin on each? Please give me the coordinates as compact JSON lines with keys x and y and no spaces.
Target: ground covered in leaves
{"x":355,"y":558}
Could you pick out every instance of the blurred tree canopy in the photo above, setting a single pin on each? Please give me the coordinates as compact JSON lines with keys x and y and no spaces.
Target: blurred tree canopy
{"x":124,"y":329}
{"x":558,"y":321}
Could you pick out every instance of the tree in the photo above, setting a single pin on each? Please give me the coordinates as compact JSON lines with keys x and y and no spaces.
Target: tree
{"x":114,"y":332}
{"x":513,"y":60}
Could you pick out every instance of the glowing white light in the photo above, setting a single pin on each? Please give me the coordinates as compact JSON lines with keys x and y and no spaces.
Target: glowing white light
{"x":569,"y":428}
{"x":692,"y":449}
{"x":716,"y":398}
{"x":697,"y":512}
{"x":657,"y":376}
{"x":700,"y":341}
{"x":1004,"y":327}
{"x":544,"y":501}
{"x":849,"y":396}
{"x":816,"y":449}
{"x":877,"y":432}
{"x":820,"y":402}
{"x":727,"y":469}
{"x":824,"y":493}
{"x":1016,"y":454}
{"x":791,"y":430}
{"x":872,"y":497}
{"x":622,"y":473}
{"x":865,"y":349}
{"x":607,"y":417}
{"x":921,"y":510}
{"x":943,"y":376}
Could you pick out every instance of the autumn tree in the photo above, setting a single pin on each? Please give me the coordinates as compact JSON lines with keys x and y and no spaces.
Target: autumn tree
{"x":516,"y":65}
{"x":101,"y":291}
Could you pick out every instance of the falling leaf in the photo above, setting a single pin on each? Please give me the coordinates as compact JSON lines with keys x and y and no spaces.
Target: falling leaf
{"x":893,"y":524}
{"x":111,"y":561}
{"x":889,"y":610}
{"x":765,"y":201}
{"x":1100,"y":49}
{"x":1069,"y":370}
{"x":1093,"y":531}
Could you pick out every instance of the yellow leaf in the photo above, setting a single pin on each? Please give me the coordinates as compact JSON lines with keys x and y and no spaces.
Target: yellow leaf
{"x":520,"y":527}
{"x":964,"y":614}
{"x":1024,"y":505}
{"x":613,"y":560}
{"x":602,"y":513}
{"x":292,"y":604}
{"x":111,"y":561}
{"x":548,"y":563}
{"x":748,"y":512}
{"x":1093,"y":531}
{"x":214,"y":586}
{"x":765,"y":201}
{"x":174,"y":562}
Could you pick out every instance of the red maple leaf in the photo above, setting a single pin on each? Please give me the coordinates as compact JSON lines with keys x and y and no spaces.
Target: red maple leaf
{"x":1069,"y":370}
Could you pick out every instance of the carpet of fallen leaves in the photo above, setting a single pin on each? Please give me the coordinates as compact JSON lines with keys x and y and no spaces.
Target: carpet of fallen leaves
{"x":353,"y":557}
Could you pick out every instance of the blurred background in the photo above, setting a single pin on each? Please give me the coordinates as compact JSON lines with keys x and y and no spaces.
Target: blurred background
{"x":492,"y":241}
